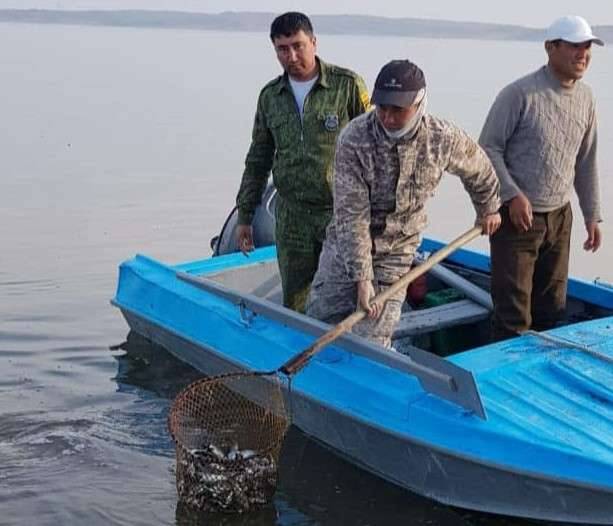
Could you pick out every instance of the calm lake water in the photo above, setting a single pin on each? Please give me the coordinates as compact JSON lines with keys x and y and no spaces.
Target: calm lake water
{"x":117,"y":141}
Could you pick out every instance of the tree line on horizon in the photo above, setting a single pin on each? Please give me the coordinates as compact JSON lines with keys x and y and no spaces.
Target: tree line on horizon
{"x":258,"y":22}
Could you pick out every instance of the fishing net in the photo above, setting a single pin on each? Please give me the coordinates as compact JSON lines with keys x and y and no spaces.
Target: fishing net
{"x":228,"y":431}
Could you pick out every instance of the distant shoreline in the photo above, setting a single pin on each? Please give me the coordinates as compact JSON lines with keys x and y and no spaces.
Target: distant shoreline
{"x":260,"y":22}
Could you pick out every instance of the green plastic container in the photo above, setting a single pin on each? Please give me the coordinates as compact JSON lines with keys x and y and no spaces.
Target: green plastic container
{"x":442,"y":297}
{"x":447,"y":341}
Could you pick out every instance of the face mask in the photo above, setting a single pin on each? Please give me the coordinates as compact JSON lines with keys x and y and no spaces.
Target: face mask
{"x":410,"y":128}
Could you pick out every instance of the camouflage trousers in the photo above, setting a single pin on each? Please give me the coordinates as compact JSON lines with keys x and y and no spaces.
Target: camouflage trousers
{"x":299,"y":235}
{"x":332,"y":302}
{"x":333,"y":295}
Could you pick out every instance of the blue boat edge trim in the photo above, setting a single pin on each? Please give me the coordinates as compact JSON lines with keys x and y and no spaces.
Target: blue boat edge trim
{"x":594,"y":292}
{"x":158,"y":323}
{"x":222,"y":262}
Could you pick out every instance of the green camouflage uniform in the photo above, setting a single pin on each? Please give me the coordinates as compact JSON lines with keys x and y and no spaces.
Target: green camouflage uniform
{"x":300,"y":153}
{"x":381,"y":186}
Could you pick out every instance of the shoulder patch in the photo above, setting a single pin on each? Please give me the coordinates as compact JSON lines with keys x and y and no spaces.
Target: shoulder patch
{"x":365,"y":98}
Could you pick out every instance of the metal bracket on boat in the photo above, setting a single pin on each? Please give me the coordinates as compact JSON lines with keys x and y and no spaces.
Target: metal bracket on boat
{"x":246,"y":315}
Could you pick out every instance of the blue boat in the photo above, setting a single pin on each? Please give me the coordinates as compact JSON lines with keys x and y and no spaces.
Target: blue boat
{"x":522,"y":427}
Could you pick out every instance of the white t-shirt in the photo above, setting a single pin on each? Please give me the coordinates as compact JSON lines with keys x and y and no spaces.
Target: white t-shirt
{"x":301,"y":90}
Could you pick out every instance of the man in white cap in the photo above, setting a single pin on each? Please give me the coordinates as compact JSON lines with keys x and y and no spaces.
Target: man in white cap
{"x":541,"y":137}
{"x":388,"y":163}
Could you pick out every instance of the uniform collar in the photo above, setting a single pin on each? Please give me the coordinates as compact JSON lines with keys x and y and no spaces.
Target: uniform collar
{"x":322,"y":80}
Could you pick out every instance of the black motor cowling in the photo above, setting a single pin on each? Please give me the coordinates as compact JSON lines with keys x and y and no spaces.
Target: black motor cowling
{"x":263,"y":226}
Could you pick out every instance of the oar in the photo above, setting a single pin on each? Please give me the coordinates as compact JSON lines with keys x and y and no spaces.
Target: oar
{"x":296,"y":363}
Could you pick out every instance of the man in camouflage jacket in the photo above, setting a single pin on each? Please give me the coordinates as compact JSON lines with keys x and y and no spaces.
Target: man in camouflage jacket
{"x":388,"y":163}
{"x":298,"y":119}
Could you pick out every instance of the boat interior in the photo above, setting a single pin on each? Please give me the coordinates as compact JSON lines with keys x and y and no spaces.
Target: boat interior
{"x":452,"y":314}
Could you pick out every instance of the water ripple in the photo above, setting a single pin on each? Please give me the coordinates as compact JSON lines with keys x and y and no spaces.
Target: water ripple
{"x":24,"y":336}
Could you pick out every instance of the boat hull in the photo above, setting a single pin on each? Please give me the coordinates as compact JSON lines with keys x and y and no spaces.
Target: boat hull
{"x":441,"y":475}
{"x":523,"y":427}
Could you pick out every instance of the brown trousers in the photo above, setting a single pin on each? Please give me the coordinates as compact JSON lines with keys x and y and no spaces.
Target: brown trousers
{"x":530,"y":272}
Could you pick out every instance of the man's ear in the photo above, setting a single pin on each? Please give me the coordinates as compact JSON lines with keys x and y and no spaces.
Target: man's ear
{"x":549,"y":45}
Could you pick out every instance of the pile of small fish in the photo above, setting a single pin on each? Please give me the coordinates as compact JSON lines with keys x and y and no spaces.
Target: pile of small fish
{"x":235,"y":481}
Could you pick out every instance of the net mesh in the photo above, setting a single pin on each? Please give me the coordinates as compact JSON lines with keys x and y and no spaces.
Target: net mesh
{"x":228,"y":431}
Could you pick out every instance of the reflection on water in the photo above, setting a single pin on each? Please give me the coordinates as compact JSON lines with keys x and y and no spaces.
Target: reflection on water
{"x":315,"y":485}
{"x":150,"y":368}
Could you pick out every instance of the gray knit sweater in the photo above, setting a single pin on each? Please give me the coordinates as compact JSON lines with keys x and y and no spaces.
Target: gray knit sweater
{"x":541,"y":139}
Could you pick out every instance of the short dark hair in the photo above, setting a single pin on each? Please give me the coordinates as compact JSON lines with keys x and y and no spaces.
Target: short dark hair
{"x":289,"y":24}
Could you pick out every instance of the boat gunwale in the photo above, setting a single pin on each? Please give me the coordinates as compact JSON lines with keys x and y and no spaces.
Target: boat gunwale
{"x":436,"y":375}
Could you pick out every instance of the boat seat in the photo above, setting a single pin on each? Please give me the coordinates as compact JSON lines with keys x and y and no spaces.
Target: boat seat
{"x":440,"y":317}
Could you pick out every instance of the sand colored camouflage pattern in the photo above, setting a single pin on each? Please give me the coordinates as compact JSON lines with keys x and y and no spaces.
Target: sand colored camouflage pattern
{"x":334,"y":301}
{"x":381,"y":187}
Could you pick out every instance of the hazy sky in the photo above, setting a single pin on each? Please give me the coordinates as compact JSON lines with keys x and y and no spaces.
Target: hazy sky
{"x":533,"y":13}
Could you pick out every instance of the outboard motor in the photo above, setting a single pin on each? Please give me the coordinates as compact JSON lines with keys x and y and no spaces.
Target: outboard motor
{"x":263,"y":226}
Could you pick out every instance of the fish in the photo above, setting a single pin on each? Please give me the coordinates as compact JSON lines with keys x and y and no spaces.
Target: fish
{"x":216,"y":451}
{"x":235,"y":481}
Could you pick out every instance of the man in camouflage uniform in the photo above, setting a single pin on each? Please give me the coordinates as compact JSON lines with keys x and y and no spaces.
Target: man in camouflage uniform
{"x":388,"y":163}
{"x":298,"y":119}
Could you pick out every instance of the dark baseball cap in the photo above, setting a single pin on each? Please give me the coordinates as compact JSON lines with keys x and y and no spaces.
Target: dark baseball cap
{"x":398,"y":83}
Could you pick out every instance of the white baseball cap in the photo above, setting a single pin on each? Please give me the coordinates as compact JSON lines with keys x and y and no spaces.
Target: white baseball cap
{"x":573,"y":29}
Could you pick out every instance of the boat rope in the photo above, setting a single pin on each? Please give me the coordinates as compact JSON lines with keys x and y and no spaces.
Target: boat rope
{"x":569,"y":343}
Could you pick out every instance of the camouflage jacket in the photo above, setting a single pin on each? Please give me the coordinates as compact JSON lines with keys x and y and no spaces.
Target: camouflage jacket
{"x":299,"y":152}
{"x":381,"y":186}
